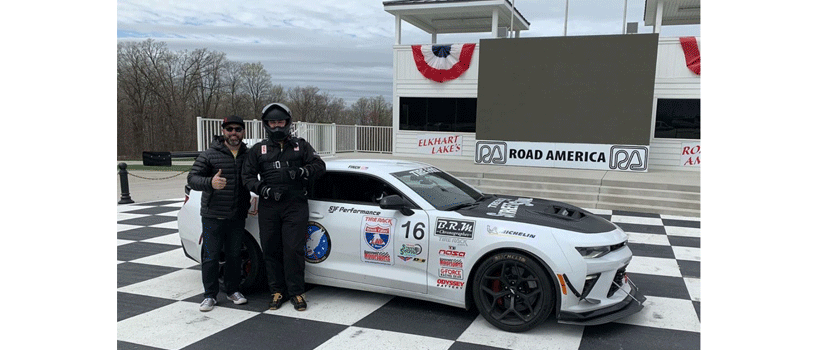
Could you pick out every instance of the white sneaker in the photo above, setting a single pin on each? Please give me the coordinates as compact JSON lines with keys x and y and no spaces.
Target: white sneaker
{"x":237,"y":298}
{"x":207,"y":304}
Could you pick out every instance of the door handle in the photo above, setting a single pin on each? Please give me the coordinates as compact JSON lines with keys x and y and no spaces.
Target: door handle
{"x":315,"y":215}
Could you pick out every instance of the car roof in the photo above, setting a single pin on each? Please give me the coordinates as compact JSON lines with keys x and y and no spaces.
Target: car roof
{"x":381,"y":166}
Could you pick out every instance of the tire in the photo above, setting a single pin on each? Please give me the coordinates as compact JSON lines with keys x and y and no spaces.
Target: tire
{"x":253,"y":270}
{"x":513,"y":292}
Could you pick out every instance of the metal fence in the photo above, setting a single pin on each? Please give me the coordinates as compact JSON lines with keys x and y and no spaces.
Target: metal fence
{"x":326,"y":139}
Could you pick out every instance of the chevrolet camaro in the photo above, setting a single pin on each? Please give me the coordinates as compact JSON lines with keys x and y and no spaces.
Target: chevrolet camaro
{"x":409,"y":229}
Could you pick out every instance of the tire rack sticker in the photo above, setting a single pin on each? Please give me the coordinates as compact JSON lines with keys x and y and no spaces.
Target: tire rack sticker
{"x":377,"y":239}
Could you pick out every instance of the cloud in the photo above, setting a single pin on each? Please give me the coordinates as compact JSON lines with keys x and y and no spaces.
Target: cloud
{"x":343,"y":47}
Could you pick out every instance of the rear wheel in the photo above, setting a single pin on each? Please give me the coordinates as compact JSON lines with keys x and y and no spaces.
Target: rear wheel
{"x":512,"y":292}
{"x":252,"y":270}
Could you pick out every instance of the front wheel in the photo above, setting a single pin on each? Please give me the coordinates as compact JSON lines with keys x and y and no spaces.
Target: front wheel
{"x":513,"y":292}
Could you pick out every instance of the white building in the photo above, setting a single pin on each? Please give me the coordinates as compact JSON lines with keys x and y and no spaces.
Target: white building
{"x":449,"y":124}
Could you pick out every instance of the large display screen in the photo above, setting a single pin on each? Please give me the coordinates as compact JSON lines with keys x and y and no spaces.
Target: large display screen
{"x":579,"y":89}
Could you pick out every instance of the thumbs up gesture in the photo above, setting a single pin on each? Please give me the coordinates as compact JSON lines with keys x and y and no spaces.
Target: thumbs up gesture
{"x":218,"y":182}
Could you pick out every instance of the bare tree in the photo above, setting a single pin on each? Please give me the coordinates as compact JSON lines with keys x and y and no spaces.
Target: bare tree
{"x":257,"y":84}
{"x":161,"y":92}
{"x":304,"y":103}
{"x":210,"y":66}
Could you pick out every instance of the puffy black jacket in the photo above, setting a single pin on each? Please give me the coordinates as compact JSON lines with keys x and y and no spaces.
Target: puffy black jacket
{"x":231,"y":202}
{"x":274,"y":163}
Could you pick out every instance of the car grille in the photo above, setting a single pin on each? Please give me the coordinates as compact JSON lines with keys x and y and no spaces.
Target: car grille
{"x":617,"y":282}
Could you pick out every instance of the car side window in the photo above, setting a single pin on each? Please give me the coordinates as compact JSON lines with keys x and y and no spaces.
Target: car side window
{"x":351,"y":188}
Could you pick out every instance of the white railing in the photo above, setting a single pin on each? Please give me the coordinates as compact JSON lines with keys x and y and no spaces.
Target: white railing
{"x":326,"y":139}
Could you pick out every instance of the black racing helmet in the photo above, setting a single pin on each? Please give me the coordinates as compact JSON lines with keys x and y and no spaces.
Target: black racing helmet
{"x":276,"y":111}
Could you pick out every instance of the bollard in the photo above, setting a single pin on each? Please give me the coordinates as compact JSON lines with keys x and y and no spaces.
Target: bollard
{"x":125,"y":198}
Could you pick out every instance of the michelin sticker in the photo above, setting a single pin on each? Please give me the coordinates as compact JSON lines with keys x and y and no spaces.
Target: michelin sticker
{"x":377,"y":240}
{"x":517,"y":234}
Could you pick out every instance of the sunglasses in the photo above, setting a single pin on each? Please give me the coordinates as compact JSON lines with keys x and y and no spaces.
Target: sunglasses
{"x":232,"y":128}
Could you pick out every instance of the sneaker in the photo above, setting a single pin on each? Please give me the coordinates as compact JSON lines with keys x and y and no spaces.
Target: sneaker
{"x":207,"y":304}
{"x":237,"y":298}
{"x":299,"y":303}
{"x":277,"y":301}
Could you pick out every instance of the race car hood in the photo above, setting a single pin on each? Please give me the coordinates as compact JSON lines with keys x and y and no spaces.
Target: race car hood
{"x":538,"y":212}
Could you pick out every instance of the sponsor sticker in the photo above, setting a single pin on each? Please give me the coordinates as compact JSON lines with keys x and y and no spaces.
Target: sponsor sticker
{"x":508,"y":208}
{"x":454,"y":241}
{"x":447,"y":272}
{"x":455,"y":228}
{"x":409,"y":252}
{"x":352,"y":210}
{"x":451,"y":262}
{"x":517,"y":234}
{"x":451,"y":252}
{"x":317,"y":243}
{"x":377,"y":239}
{"x":445,"y":283}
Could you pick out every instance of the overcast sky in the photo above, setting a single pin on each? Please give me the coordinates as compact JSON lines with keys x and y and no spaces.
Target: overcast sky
{"x":343,"y":47}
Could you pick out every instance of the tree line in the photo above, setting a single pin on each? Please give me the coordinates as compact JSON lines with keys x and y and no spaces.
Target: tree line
{"x":160,"y":93}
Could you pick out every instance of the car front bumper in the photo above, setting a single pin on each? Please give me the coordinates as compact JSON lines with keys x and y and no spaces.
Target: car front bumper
{"x":629,"y":306}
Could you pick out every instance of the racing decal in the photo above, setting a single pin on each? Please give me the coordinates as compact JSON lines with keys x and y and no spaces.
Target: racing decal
{"x":517,"y":234}
{"x":451,"y":262}
{"x":454,"y":241}
{"x":317,"y":243}
{"x":455,"y":228}
{"x":335,"y":208}
{"x":418,"y":230}
{"x":357,"y":167}
{"x":508,"y":208}
{"x":451,"y":252}
{"x":446,"y":272}
{"x":377,"y":239}
{"x":449,"y":283}
{"x":409,"y":252}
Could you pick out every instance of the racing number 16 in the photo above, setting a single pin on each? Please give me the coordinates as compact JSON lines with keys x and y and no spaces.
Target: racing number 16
{"x":418,"y":230}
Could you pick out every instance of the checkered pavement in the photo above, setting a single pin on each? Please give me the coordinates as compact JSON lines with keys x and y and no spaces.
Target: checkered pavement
{"x":159,"y":290}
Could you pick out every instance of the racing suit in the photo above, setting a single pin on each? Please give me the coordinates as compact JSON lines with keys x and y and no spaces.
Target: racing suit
{"x":279,"y":172}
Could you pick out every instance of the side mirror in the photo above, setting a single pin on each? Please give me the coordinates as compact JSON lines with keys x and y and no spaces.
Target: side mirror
{"x":396,"y":202}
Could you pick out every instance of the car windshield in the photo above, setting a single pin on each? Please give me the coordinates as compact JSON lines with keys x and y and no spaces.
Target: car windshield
{"x":438,"y":188}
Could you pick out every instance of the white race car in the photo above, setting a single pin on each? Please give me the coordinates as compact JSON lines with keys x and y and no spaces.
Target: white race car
{"x":409,"y":229}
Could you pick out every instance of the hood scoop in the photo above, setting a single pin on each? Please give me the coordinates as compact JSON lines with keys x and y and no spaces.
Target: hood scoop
{"x":564,"y":212}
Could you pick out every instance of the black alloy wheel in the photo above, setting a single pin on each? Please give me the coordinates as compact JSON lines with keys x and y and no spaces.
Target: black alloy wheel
{"x":513,"y":292}
{"x":252,"y":270}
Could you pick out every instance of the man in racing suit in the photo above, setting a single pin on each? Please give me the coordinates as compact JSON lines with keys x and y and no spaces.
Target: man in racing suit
{"x":279,"y":169}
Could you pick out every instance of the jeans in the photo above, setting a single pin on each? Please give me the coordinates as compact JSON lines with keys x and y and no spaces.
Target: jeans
{"x":218,"y":234}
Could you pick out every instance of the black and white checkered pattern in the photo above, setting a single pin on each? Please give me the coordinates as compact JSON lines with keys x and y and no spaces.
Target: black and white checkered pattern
{"x":159,"y":290}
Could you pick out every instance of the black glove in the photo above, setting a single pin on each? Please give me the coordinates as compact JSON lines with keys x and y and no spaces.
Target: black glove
{"x":265,"y":192}
{"x":300,"y":173}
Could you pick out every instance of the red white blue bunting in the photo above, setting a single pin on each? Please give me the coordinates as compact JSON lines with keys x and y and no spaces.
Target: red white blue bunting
{"x":443,"y":62}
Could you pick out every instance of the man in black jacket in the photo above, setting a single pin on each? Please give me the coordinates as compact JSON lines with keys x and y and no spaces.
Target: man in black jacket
{"x":278,"y":169}
{"x":217,"y":172}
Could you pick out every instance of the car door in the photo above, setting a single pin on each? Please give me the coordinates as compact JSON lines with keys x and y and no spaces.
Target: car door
{"x":367,"y":244}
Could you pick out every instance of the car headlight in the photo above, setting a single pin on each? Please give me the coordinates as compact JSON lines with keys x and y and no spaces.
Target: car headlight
{"x":593,"y":252}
